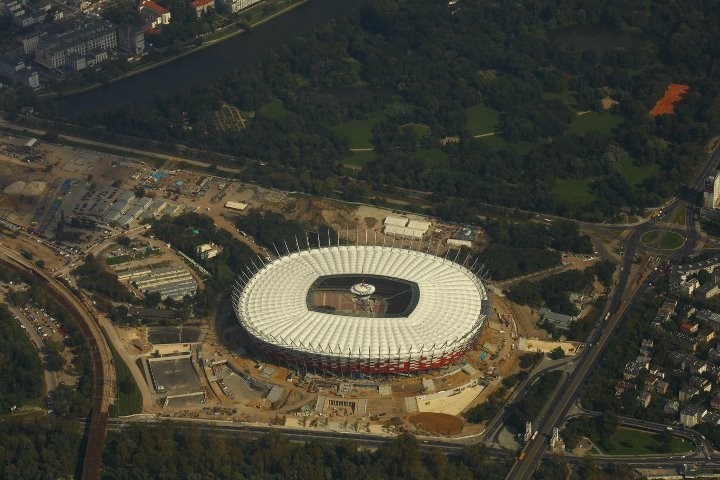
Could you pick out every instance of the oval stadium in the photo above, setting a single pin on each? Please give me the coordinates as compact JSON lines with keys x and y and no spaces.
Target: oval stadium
{"x":362,"y":309}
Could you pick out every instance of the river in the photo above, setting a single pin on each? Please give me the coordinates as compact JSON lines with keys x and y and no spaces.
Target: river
{"x":204,"y":66}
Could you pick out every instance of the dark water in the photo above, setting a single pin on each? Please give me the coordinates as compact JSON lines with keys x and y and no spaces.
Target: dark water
{"x":207,"y":65}
{"x":599,"y":37}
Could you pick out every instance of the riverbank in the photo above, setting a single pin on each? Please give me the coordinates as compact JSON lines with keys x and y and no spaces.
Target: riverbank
{"x":226,"y":33}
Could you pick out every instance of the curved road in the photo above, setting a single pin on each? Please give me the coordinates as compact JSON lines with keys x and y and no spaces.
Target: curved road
{"x":625,"y":294}
{"x":104,"y":378}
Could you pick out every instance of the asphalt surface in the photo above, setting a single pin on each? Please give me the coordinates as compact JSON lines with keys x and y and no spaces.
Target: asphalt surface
{"x":103,"y":366}
{"x":626,"y":293}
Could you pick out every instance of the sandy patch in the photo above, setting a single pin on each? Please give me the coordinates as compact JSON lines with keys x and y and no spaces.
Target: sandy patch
{"x":532,"y":345}
{"x":452,"y":404}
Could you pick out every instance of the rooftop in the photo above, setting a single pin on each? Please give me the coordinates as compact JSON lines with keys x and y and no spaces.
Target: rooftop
{"x":451,"y":306}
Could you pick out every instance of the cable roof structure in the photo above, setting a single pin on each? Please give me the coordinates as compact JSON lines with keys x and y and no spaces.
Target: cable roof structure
{"x":447,"y":308}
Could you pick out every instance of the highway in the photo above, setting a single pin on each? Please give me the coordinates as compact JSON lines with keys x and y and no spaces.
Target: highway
{"x":104,"y":379}
{"x":625,"y":294}
{"x":627,"y":291}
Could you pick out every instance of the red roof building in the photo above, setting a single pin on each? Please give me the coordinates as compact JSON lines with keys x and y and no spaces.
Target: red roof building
{"x":203,"y":7}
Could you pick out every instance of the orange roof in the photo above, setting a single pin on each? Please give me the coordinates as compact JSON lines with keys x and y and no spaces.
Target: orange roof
{"x":150,"y":31}
{"x":154,"y":7}
{"x":201,"y":3}
{"x":673,"y":94}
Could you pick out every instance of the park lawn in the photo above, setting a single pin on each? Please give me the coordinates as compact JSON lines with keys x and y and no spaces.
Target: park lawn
{"x":573,"y":190}
{"x":359,"y":131}
{"x":650,"y":238}
{"x":356,"y":70}
{"x":275,"y":110}
{"x":568,"y":98}
{"x":626,"y":441}
{"x":664,"y":240}
{"x":420,"y":129}
{"x":118,"y":260}
{"x":129,"y":397}
{"x":481,"y":119}
{"x":594,"y":121}
{"x":359,"y":159}
{"x":432,"y":157}
{"x":635,"y":174}
{"x":495,"y":142}
{"x":671,"y":241}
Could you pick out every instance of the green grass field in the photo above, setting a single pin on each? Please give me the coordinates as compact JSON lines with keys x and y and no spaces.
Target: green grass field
{"x":568,"y":98}
{"x":129,"y":396}
{"x":634,"y":174}
{"x":420,"y":129}
{"x":496,"y":142}
{"x":359,"y":132}
{"x":627,"y":441}
{"x":594,"y":121}
{"x":275,"y":110}
{"x":664,"y":240}
{"x":573,"y":190}
{"x":481,"y":119}
{"x":360,"y":159}
{"x":432,"y":157}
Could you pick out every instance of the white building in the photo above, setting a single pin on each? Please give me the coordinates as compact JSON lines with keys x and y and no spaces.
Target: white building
{"x":207,"y":251}
{"x":153,"y":14}
{"x":78,"y":49}
{"x":712,"y":191}
{"x":402,"y":227}
{"x":239,"y":206}
{"x":234,"y":6}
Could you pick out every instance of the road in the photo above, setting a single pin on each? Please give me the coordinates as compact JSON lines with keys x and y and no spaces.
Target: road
{"x":625,"y":294}
{"x":703,"y":446}
{"x":104,"y":379}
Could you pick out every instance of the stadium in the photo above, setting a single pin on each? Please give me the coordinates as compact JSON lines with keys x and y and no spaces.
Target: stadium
{"x":361,"y":309}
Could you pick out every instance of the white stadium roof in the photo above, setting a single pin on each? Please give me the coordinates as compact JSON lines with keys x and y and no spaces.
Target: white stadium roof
{"x":452,"y":303}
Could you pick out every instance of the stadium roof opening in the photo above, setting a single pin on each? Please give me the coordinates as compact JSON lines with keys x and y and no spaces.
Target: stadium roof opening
{"x":427,"y":310}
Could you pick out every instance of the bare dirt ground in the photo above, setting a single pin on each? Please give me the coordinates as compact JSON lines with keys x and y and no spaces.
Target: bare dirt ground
{"x":437,"y":423}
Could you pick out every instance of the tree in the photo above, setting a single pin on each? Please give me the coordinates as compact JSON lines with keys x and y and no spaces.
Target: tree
{"x":152,"y":299}
{"x":606,"y":425}
{"x":557,"y":353}
{"x":53,"y":358}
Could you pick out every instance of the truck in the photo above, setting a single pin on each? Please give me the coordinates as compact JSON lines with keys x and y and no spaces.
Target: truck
{"x":521,"y":455}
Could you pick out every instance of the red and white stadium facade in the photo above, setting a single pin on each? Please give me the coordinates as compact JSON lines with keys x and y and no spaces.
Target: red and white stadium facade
{"x":271,"y":304}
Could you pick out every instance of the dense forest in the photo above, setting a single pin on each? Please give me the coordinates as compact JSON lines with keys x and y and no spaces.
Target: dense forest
{"x":20,"y":370}
{"x":42,"y":447}
{"x":92,"y":276}
{"x":274,"y":231}
{"x":164,"y":452}
{"x":416,"y":82}
{"x":186,"y":232}
{"x":553,"y":291}
{"x":65,"y":400}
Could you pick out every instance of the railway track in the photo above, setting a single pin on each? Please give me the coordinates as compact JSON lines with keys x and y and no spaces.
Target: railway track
{"x":104,"y":378}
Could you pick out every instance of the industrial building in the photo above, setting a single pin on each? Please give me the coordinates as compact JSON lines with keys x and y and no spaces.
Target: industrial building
{"x":238,"y":206}
{"x":207,"y":251}
{"x":403,"y":227}
{"x":170,"y":282}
